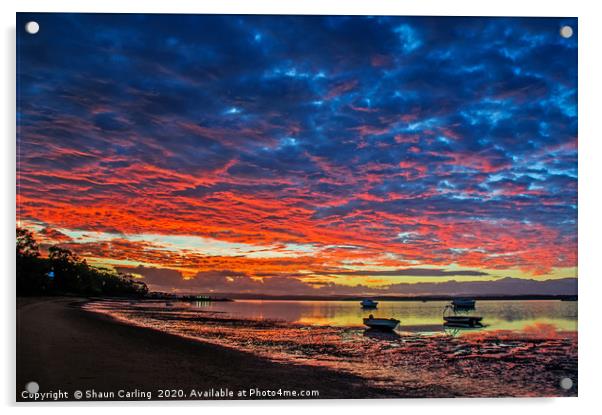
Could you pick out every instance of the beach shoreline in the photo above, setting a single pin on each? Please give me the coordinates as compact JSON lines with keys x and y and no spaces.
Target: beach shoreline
{"x":65,"y":348}
{"x":122,"y":352}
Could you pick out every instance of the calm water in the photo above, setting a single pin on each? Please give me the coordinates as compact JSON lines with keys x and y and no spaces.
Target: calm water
{"x":414,"y":315}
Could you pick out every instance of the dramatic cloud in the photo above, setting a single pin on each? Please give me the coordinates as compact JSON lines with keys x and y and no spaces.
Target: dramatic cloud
{"x":304,"y":148}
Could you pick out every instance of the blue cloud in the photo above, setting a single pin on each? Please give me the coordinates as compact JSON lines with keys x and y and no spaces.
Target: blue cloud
{"x":466,"y":117}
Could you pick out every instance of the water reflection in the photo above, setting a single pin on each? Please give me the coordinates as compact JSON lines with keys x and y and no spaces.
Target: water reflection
{"x":455,"y":331}
{"x":414,"y":315}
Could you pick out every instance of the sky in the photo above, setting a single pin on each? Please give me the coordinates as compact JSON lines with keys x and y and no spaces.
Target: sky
{"x":301,"y":154}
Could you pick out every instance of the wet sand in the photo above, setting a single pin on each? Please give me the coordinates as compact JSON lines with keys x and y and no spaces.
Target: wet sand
{"x":62,"y":347}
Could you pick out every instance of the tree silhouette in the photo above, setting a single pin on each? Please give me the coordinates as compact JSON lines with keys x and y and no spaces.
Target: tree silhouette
{"x":26,"y":244}
{"x":63,"y":272}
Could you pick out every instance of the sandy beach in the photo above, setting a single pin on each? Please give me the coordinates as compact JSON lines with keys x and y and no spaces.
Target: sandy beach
{"x":62,"y":347}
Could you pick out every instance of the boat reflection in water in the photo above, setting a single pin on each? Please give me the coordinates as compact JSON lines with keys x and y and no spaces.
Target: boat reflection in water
{"x":377,"y":334}
{"x":463,"y":321}
{"x":455,"y":331}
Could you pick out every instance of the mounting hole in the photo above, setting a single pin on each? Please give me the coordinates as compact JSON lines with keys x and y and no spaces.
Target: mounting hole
{"x":566,"y":31}
{"x":32,"y":387}
{"x":566,"y":383}
{"x":32,"y":27}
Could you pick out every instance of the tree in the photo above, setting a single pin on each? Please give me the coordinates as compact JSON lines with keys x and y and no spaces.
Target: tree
{"x":26,"y":244}
{"x":56,"y":253}
{"x":31,"y":269}
{"x":70,"y":274}
{"x":68,"y":269}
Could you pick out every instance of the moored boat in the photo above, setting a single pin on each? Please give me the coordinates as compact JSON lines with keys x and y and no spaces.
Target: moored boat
{"x":368,"y":303}
{"x":381,"y":323}
{"x":467,"y":303}
{"x":460,"y":320}
{"x":463,"y":321}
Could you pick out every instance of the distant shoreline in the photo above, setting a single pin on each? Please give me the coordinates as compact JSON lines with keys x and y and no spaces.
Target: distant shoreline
{"x":234,"y":297}
{"x":403,"y":298}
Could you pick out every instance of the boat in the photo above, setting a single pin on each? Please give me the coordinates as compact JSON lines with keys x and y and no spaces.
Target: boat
{"x":467,"y":303}
{"x":381,"y":323}
{"x":463,"y":321}
{"x":368,"y":303}
{"x":459,"y":320}
{"x":456,"y":320}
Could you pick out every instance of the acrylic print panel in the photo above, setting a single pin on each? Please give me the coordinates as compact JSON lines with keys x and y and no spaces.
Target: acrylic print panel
{"x":295,"y":207}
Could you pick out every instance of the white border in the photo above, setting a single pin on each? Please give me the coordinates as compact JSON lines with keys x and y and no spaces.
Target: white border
{"x":590,"y":170}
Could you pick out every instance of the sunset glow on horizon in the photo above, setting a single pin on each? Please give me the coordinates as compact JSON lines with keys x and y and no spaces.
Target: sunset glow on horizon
{"x":301,"y":155}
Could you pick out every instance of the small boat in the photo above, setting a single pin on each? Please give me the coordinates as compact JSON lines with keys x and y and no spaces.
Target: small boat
{"x":381,"y":323}
{"x":456,"y":320}
{"x":467,"y":303}
{"x":368,"y":303}
{"x":463,"y":321}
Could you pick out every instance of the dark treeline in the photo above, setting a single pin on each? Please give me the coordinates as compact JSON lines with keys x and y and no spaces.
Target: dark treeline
{"x":62,"y":272}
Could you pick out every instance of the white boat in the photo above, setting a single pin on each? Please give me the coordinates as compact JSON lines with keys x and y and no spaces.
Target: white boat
{"x":368,"y":303}
{"x":381,"y":323}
